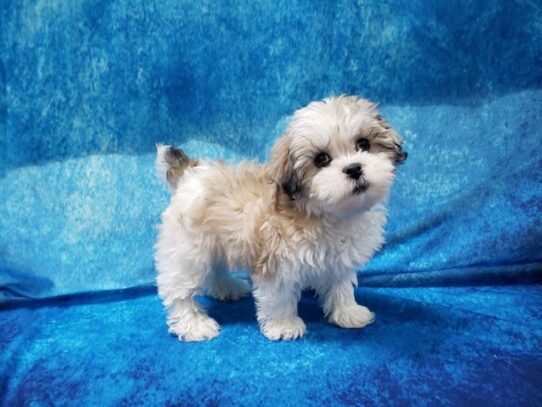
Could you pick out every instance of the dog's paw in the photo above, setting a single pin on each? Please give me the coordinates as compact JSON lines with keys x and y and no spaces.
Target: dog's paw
{"x":200,"y":328}
{"x":354,"y":316}
{"x":230,"y":289}
{"x":287,"y":329}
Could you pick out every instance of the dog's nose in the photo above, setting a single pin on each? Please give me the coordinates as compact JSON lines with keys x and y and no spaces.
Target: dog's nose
{"x":353,"y":171}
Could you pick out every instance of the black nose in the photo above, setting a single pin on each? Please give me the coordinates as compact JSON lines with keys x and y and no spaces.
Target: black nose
{"x":353,"y":171}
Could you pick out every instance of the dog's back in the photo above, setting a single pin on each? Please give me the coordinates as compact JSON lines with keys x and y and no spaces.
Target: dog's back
{"x":222,"y":203}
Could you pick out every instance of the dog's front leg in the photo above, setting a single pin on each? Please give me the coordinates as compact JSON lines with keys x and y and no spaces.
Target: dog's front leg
{"x":340,"y":305}
{"x":276,"y":301}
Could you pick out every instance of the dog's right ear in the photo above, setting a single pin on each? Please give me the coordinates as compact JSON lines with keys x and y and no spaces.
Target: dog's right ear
{"x":280,"y":169}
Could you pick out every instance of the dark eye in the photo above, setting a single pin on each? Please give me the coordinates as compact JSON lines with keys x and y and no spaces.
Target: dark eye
{"x":363,"y":145}
{"x":322,"y":160}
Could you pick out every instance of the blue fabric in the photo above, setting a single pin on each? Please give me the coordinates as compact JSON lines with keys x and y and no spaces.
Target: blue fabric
{"x":88,"y":87}
{"x":451,"y":346}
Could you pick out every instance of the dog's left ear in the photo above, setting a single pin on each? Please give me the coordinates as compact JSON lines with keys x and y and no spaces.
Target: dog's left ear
{"x":280,"y":169}
{"x":400,"y":155}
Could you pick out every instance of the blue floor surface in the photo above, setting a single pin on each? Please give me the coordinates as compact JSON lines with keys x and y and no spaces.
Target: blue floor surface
{"x":429,"y":346}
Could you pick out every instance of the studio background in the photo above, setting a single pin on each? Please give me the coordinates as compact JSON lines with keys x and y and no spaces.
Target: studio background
{"x":89,"y":87}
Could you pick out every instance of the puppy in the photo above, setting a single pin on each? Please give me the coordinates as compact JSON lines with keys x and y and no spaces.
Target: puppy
{"x":308,"y":218}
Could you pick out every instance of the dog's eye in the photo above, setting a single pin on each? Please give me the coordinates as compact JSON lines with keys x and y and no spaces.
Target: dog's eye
{"x":363,"y":145}
{"x":322,"y":160}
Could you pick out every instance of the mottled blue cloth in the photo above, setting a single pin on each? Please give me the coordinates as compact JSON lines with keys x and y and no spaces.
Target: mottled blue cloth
{"x":87,"y":88}
{"x":453,"y":346}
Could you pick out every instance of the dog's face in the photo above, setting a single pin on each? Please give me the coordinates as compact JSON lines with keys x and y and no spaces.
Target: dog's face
{"x":338,"y":156}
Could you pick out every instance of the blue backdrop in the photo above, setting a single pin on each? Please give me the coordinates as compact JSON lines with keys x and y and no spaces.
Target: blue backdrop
{"x":88,"y":87}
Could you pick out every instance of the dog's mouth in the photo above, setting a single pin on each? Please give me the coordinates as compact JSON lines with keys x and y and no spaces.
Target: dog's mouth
{"x":360,"y":187}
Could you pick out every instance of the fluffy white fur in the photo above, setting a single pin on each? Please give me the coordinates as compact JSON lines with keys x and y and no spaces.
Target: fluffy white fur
{"x":293,"y":224}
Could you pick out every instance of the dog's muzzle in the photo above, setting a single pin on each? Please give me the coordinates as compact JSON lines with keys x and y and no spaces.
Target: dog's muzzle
{"x":353,"y":171}
{"x":360,"y":187}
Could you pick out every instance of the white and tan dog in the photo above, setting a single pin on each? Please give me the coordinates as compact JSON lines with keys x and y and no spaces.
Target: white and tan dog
{"x":308,"y":218}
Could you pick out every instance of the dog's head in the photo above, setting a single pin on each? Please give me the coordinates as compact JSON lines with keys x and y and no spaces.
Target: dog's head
{"x":338,"y":156}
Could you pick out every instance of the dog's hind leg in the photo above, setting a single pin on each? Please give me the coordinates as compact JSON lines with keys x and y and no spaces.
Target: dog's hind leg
{"x":181,"y":275}
{"x":221,"y":285}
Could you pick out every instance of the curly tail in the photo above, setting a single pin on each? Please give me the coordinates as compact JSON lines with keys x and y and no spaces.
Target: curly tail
{"x":171,"y":163}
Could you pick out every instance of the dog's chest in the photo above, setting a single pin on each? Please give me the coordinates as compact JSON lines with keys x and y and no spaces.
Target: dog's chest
{"x":340,"y":248}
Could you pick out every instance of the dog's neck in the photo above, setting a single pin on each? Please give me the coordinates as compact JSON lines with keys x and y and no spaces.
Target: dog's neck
{"x":298,"y":210}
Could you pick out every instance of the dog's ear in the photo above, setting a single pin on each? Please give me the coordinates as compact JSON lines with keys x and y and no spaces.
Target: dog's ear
{"x":280,"y":169}
{"x":400,"y":155}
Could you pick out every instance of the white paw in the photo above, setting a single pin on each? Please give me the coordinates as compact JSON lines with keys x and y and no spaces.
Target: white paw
{"x":197,"y":329}
{"x":230,"y":289}
{"x":354,"y":316}
{"x":287,"y":329}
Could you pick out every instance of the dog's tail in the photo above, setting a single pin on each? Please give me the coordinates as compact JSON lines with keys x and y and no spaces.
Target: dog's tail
{"x":171,"y":163}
